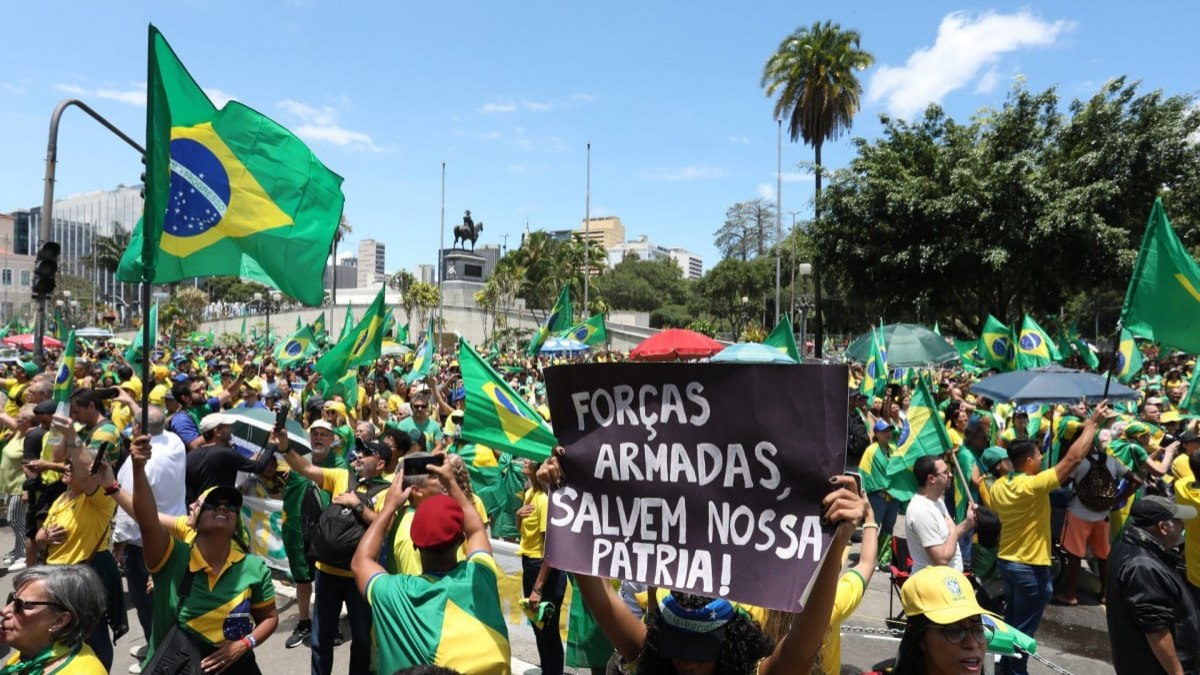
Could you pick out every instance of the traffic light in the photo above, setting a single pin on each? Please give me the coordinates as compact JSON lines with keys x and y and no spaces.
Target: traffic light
{"x":45,"y":269}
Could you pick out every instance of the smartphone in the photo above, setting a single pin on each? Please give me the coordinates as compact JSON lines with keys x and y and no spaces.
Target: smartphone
{"x":281,"y":415}
{"x":418,"y":465}
{"x":857,"y":479}
{"x":107,"y":393}
{"x":101,"y":453}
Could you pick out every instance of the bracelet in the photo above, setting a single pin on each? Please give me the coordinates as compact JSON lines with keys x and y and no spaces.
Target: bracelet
{"x":870,"y":526}
{"x":112,"y":489}
{"x":250,"y":642}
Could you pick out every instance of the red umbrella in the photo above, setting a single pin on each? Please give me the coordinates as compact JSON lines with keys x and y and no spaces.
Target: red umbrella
{"x":25,"y":341}
{"x":675,"y":344}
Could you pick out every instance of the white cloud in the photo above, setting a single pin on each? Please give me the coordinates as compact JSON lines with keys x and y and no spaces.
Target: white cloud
{"x":135,"y":94}
{"x":966,"y":43}
{"x":690,"y":172}
{"x":766,"y":191}
{"x":740,"y":140}
{"x":797,"y":177}
{"x":320,"y":124}
{"x":219,"y":98}
{"x":13,"y":88}
{"x":506,"y":105}
{"x":71,"y":89}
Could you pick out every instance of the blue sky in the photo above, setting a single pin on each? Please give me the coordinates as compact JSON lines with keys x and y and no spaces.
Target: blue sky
{"x":508,"y":94}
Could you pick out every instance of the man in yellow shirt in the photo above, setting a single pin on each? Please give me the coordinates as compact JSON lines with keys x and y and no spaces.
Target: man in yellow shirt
{"x":1187,"y":493}
{"x":1022,"y":502}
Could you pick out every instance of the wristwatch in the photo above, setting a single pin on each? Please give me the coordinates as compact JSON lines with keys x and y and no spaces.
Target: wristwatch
{"x":358,"y":508}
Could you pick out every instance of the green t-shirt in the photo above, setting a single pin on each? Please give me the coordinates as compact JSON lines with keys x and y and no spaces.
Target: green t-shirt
{"x":213,"y":613}
{"x":104,"y":432}
{"x":296,"y":485}
{"x":433,"y":433}
{"x":452,"y":620}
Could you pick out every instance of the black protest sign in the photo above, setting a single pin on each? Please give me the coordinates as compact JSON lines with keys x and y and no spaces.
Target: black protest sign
{"x":704,"y":478}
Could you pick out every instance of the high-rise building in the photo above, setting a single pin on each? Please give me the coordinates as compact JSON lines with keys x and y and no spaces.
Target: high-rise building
{"x":641,"y":248}
{"x":691,"y":264}
{"x":370,"y":263}
{"x":16,"y":275}
{"x":425,"y":274}
{"x":608,"y":231}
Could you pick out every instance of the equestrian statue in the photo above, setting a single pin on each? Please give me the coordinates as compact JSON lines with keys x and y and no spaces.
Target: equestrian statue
{"x":468,"y":231}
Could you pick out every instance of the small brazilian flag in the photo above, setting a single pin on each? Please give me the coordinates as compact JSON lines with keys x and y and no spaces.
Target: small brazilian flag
{"x":926,"y":433}
{"x":402,"y":334}
{"x":782,"y":339}
{"x":228,"y":191}
{"x":559,"y":320}
{"x":64,"y":374}
{"x":360,"y":345}
{"x":1129,"y":357}
{"x":874,"y":382}
{"x":591,"y":332}
{"x":134,"y":354}
{"x":296,"y":348}
{"x":347,"y":323}
{"x":1034,"y":348}
{"x":496,"y":416}
{"x":318,"y":327}
{"x":995,"y":340}
{"x":422,"y":357}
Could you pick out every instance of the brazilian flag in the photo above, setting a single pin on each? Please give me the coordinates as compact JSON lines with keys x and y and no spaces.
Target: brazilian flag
{"x":874,"y":382}
{"x":1163,"y":298}
{"x":402,"y":334}
{"x":318,"y":327}
{"x":347,"y":323}
{"x":1034,"y":348}
{"x":1191,"y":402}
{"x":926,"y":436}
{"x":345,"y":386}
{"x":64,"y":374}
{"x":591,"y":332}
{"x":296,"y":348}
{"x":972,"y":359}
{"x":361,"y":345}
{"x":559,"y":320}
{"x":1129,"y":357}
{"x":995,"y":340}
{"x":388,"y":321}
{"x":422,"y":357}
{"x":228,"y":191}
{"x":496,"y":416}
{"x":782,"y":339}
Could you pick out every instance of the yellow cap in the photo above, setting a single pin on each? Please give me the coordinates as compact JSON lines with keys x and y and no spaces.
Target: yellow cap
{"x":134,"y":386}
{"x":160,"y":372}
{"x":942,"y":594}
{"x":1170,"y":416}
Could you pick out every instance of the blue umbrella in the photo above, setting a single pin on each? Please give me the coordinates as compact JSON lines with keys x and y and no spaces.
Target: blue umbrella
{"x":558,"y":345}
{"x":751,"y":352}
{"x":1052,"y":384}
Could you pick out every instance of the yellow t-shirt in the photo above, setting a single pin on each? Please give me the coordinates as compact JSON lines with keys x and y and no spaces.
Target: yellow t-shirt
{"x":121,"y":416}
{"x":956,"y":438}
{"x":1187,"y":492}
{"x":158,"y":394}
{"x":1022,"y":503}
{"x":405,"y":555}
{"x":83,"y":662}
{"x":1181,"y":468}
{"x":850,"y":590}
{"x":87,"y":520}
{"x":16,"y":391}
{"x":533,"y":526}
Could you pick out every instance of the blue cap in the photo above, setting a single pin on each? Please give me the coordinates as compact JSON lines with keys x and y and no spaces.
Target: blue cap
{"x":181,"y":377}
{"x":882,"y":425}
{"x":458,"y":394}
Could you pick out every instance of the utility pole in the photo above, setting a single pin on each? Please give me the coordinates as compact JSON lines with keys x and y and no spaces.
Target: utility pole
{"x":587,"y":231}
{"x":778,"y":214}
{"x":441,"y":260}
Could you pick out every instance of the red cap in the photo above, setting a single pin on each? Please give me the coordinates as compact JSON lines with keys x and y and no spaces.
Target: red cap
{"x":438,"y":522}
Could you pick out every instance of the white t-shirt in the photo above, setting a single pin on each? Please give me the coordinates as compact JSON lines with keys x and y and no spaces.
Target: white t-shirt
{"x":165,"y":473}
{"x":1116,"y":468}
{"x":925,"y":525}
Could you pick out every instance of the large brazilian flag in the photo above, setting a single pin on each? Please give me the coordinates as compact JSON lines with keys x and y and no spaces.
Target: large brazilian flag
{"x":1162,"y":302}
{"x":228,"y":191}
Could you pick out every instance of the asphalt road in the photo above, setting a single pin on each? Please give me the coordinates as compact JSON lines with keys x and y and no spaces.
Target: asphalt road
{"x":1073,"y":638}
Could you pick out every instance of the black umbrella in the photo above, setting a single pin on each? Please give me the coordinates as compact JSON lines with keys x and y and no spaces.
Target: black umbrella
{"x":1052,"y":384}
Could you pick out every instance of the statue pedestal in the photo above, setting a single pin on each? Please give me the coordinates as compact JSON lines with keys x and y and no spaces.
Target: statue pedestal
{"x":460,"y":265}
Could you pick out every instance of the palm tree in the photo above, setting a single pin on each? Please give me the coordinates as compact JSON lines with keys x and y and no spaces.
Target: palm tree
{"x":814,"y":73}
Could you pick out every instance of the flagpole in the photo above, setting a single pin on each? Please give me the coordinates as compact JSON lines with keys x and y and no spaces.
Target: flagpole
{"x":441,"y":258}
{"x":1116,"y":349}
{"x":587,"y":231}
{"x":778,"y":214}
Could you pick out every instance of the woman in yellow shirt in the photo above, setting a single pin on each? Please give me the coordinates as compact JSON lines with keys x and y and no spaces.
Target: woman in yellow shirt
{"x":541,"y":582}
{"x":49,"y":613}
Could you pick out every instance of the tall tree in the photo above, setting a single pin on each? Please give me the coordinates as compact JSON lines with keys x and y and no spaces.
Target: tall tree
{"x":814,"y":74}
{"x":749,"y":229}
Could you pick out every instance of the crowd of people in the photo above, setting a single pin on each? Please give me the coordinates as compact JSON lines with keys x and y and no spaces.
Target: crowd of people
{"x":390,"y":514}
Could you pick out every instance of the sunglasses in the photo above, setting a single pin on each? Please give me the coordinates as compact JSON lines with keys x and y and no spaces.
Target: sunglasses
{"x":956,"y":634}
{"x":19,"y":606}
{"x":420,"y":407}
{"x":207,"y":506}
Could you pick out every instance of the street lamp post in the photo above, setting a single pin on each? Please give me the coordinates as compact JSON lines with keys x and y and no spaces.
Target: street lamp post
{"x":792,"y":314}
{"x":805,"y":305}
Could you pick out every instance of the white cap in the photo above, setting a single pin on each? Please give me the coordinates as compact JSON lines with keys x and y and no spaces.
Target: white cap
{"x":213,"y":421}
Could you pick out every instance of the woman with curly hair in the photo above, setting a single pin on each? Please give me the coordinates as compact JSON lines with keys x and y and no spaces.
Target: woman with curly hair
{"x":696,"y":635}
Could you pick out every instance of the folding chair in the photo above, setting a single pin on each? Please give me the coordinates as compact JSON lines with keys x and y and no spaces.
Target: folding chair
{"x":900,"y":568}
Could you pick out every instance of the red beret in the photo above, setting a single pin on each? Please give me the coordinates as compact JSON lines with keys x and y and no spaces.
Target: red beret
{"x":438,"y":522}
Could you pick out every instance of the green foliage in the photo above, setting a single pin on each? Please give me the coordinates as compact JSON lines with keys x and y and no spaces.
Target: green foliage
{"x":643,"y":285}
{"x":542,"y":265}
{"x":183,"y":311}
{"x":753,"y":332}
{"x":1016,"y":211}
{"x":704,"y":327}
{"x":670,"y":316}
{"x":233,"y":289}
{"x":735,"y":291}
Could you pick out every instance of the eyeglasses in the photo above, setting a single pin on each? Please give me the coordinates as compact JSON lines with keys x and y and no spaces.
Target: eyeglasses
{"x":19,"y":606}
{"x":420,"y":407}
{"x":957,"y":634}
{"x":208,"y":506}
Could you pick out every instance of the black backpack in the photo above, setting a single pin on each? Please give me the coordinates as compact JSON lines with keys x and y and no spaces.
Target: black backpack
{"x":339,"y":529}
{"x":1097,"y":490}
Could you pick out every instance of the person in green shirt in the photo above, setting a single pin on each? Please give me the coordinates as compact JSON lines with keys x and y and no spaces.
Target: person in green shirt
{"x":422,"y":421}
{"x":449,"y":616}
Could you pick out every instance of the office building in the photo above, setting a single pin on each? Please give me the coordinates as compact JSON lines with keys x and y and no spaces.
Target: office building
{"x":691,"y":264}
{"x":641,"y":248}
{"x":371,"y":269}
{"x":426,"y":274}
{"x":608,"y":231}
{"x":16,"y":275}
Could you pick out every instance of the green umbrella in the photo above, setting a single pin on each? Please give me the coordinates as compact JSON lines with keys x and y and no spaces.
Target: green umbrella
{"x":906,"y":345}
